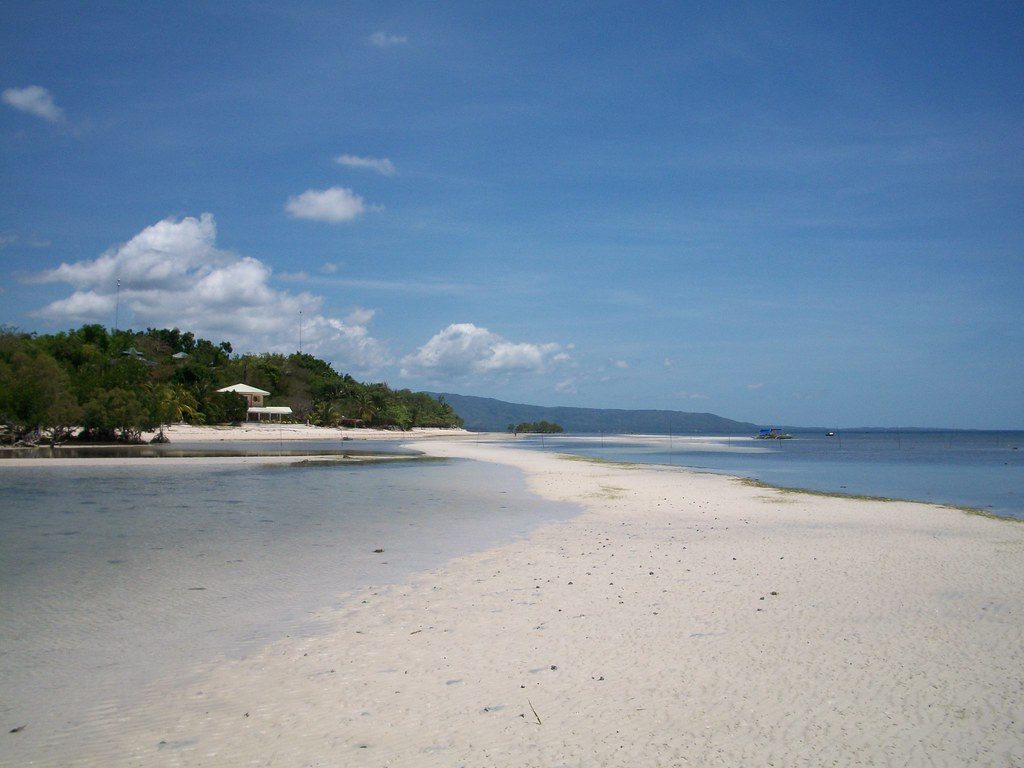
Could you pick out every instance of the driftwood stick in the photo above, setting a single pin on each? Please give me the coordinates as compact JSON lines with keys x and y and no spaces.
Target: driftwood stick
{"x":534,"y":712}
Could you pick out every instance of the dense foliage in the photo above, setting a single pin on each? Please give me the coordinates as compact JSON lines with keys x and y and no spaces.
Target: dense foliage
{"x":540,"y":427}
{"x":115,"y":385}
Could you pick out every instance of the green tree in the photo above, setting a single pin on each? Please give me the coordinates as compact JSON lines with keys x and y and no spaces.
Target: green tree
{"x":117,"y":414}
{"x":324,"y":414}
{"x":35,"y":391}
{"x":396,"y":414}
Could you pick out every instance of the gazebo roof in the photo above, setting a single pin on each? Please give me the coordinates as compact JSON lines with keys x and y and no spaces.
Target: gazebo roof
{"x":244,"y":389}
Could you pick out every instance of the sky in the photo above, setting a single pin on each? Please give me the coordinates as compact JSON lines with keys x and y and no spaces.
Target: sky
{"x":796,"y":213}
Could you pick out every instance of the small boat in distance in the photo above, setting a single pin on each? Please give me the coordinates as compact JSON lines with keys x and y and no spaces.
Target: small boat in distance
{"x":773,"y":433}
{"x":830,"y":434}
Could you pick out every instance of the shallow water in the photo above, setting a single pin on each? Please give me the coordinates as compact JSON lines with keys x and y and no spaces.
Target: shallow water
{"x":984,"y":470}
{"x":115,"y":581}
{"x":208,"y":449}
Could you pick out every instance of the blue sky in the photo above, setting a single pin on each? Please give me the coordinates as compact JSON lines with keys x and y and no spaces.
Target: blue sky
{"x":803,"y":213}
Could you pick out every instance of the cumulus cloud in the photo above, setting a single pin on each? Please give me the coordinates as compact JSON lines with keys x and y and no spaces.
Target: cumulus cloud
{"x":379,"y":164}
{"x":35,"y":100}
{"x":463,"y":349}
{"x":334,"y":205}
{"x":173,"y":275}
{"x":163,"y":255}
{"x":360,"y":316}
{"x":621,"y":364}
{"x":386,"y":39}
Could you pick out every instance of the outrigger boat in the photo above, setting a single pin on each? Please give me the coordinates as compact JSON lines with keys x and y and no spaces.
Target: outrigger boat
{"x":773,"y":433}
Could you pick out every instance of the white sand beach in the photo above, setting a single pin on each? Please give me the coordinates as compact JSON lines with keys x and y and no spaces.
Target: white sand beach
{"x":267,"y":430}
{"x":681,"y":619}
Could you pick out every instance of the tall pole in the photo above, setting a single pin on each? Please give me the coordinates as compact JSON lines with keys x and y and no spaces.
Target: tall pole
{"x":117,"y":304}
{"x":300,"y":331}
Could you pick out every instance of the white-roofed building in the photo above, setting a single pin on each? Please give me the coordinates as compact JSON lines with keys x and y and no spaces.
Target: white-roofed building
{"x":254,"y":397}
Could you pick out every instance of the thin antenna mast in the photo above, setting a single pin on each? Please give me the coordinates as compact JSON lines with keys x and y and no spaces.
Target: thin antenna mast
{"x":300,"y":331}
{"x":117,"y":304}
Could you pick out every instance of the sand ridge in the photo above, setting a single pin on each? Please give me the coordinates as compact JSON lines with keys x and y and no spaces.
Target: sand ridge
{"x":680,"y":619}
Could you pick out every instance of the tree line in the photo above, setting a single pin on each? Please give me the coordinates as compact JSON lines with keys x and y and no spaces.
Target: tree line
{"x":539,"y":427}
{"x":102,"y":385}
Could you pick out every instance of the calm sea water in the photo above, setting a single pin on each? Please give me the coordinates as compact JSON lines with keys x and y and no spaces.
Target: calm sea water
{"x":115,"y":581}
{"x":984,"y":470}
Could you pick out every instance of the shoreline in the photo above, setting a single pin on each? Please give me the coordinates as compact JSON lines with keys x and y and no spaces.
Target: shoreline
{"x":251,"y":432}
{"x":680,"y":618}
{"x":269,"y":432}
{"x":248,"y":431}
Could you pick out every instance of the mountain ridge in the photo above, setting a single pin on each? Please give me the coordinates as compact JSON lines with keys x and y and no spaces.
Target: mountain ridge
{"x":486,"y":414}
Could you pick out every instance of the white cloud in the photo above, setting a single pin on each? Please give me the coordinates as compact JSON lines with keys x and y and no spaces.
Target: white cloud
{"x":755,"y":386}
{"x":82,"y":307}
{"x":378,"y":164}
{"x":622,"y":364}
{"x":35,"y":100}
{"x":386,"y":39}
{"x":173,"y":275}
{"x":335,"y":205}
{"x":160,"y":256}
{"x":328,"y":268}
{"x":360,"y":316}
{"x":463,"y":349}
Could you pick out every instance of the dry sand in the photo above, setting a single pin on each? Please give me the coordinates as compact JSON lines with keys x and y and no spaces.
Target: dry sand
{"x":253,"y":430}
{"x":681,"y":620}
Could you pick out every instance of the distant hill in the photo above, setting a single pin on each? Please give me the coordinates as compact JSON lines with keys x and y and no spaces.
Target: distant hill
{"x":483,"y":414}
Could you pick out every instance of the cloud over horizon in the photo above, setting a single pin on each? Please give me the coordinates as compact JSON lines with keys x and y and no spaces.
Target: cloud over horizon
{"x":172,"y":275}
{"x":464,"y":349}
{"x":35,"y":100}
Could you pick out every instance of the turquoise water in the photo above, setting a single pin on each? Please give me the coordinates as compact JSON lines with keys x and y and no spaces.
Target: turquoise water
{"x":115,"y":581}
{"x":984,"y":470}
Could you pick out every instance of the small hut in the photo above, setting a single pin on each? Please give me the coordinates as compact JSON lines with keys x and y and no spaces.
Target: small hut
{"x":254,"y":397}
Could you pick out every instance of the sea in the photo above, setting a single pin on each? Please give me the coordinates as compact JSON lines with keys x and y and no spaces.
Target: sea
{"x":982,"y":470}
{"x":117,"y":582}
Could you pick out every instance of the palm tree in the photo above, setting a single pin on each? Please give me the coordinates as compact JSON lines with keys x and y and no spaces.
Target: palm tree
{"x":324,"y":414}
{"x":366,"y":405}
